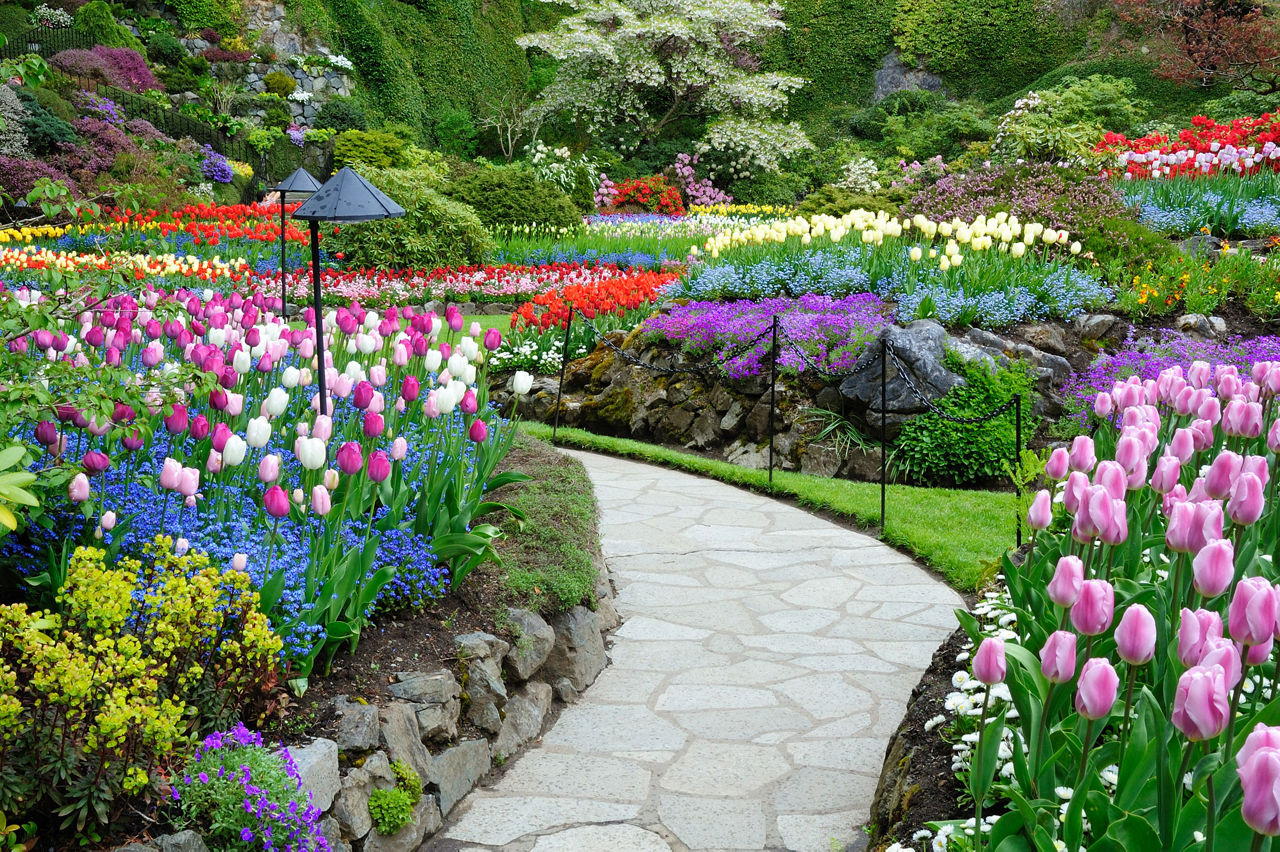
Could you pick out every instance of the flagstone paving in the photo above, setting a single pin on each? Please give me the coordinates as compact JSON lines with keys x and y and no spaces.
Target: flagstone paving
{"x":765,"y":657}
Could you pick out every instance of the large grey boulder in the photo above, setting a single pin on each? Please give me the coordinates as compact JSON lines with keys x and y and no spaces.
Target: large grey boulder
{"x":357,"y":725}
{"x":579,"y":650}
{"x":526,"y":711}
{"x":919,"y":349}
{"x":435,"y":687}
{"x":486,"y":694}
{"x":453,"y":772}
{"x":534,"y":639}
{"x":894,"y":75}
{"x":401,"y":739}
{"x":183,"y":841}
{"x":317,"y":765}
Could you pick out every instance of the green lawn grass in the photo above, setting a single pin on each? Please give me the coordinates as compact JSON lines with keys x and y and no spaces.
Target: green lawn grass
{"x":502,"y":322}
{"x":960,"y":533}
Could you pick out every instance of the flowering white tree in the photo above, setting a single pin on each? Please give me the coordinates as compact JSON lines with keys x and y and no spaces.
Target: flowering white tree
{"x":633,"y":67}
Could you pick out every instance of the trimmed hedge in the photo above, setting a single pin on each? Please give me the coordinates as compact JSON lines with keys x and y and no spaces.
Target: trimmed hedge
{"x":509,"y":195}
{"x":834,"y":44}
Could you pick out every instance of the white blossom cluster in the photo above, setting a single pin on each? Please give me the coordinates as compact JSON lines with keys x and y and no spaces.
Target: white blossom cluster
{"x":860,"y":175}
{"x":560,"y":166}
{"x":753,"y":144}
{"x":45,"y":15}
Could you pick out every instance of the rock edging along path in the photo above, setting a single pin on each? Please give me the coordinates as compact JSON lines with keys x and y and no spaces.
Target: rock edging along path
{"x":765,"y":657}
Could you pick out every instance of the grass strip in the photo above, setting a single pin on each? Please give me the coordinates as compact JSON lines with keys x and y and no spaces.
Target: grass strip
{"x":960,"y":533}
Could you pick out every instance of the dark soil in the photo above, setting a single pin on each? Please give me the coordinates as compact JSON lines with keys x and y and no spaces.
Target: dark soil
{"x":932,"y":790}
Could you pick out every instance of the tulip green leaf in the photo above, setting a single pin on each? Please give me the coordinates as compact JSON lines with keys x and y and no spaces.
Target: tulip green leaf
{"x":986,"y":757}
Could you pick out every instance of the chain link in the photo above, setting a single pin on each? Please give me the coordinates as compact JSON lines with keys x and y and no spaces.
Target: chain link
{"x":934,"y":409}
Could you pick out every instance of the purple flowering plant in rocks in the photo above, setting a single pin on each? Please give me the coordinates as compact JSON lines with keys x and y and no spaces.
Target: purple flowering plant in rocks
{"x":215,"y":166}
{"x":242,"y":795}
{"x":815,"y":332}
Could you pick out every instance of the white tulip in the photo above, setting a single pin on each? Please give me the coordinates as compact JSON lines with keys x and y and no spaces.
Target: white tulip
{"x":310,"y":452}
{"x":290,"y":377}
{"x":1075,"y":247}
{"x":469,"y":374}
{"x":241,"y":363}
{"x":234,"y":450}
{"x":522,"y":382}
{"x":433,"y":359}
{"x":916,"y":253}
{"x":1018,"y":249}
{"x":277,"y":401}
{"x":457,"y":363}
{"x":258,"y":432}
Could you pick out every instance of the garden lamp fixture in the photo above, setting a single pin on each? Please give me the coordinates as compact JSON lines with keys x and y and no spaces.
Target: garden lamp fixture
{"x":298,"y":186}
{"x":345,"y":197}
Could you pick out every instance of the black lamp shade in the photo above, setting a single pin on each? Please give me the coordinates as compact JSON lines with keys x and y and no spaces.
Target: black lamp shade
{"x":299,"y":183}
{"x":347,"y":197}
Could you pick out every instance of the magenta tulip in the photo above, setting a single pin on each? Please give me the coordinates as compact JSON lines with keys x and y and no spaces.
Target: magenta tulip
{"x":78,"y":488}
{"x":1040,"y":515}
{"x":479,"y":432}
{"x":1092,"y":613}
{"x":1059,"y":464}
{"x":410,"y":388}
{"x":989,"y":661}
{"x":276,"y":502}
{"x":363,"y":395}
{"x":469,"y":404}
{"x":1096,"y":690}
{"x":379,"y":466}
{"x":350,"y":459}
{"x":1247,"y":500}
{"x":1068,"y":576}
{"x":132,"y":440}
{"x":1082,"y":456}
{"x":199,"y":427}
{"x":177,"y":421}
{"x":95,"y":462}
{"x":1201,"y":708}
{"x":1136,"y":635}
{"x":47,"y":433}
{"x":1252,"y":615}
{"x":1058,"y":657}
{"x":492,"y":339}
{"x":221,"y":432}
{"x":1214,"y":568}
{"x":374,"y":425}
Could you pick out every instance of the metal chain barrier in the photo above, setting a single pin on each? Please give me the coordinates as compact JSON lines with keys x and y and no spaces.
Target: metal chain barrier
{"x":633,"y":360}
{"x":934,"y":409}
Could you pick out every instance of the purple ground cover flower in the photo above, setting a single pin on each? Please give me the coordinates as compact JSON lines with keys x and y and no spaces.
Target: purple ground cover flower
{"x":815,"y":331}
{"x":1147,"y":357}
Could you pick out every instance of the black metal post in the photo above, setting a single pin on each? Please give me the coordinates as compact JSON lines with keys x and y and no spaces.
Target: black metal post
{"x":884,"y":426}
{"x":315,"y":296}
{"x":564,"y":364}
{"x":1017,"y":458}
{"x":283,"y":300}
{"x":773,"y":385}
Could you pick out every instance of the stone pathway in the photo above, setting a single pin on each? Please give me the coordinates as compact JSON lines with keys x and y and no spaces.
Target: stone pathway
{"x":764,"y":659}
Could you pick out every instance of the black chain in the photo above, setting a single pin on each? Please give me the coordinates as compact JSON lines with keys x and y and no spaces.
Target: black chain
{"x":934,"y":409}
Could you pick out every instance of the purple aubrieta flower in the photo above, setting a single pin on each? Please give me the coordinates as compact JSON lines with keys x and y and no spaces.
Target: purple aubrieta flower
{"x":246,"y":834}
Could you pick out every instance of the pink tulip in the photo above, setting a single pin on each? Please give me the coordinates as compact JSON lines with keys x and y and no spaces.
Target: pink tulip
{"x":410,"y":388}
{"x":1058,"y":657}
{"x":1082,"y":456}
{"x":379,"y":403}
{"x":379,"y":466}
{"x":170,"y":473}
{"x":1214,"y":568}
{"x":321,"y":502}
{"x":1202,"y":434}
{"x":362,"y":396}
{"x":177,"y":421}
{"x":1258,"y":466}
{"x":1260,"y":783}
{"x":1091,"y":614}
{"x":1222,"y":474}
{"x":399,"y":449}
{"x":78,"y":488}
{"x":350,"y":459}
{"x":1112,"y":477}
{"x":276,"y":502}
{"x":331,"y":479}
{"x":1247,"y":500}
{"x":1040,"y":515}
{"x":475,"y":329}
{"x":1117,"y":529}
{"x":1183,"y":445}
{"x":373,"y":424}
{"x":492,"y":339}
{"x":1168,"y":471}
{"x":430,"y":408}
{"x":1256,"y":655}
{"x":1102,"y":404}
{"x":479,"y":432}
{"x":1222,"y":652}
{"x":1210,"y":410}
{"x":1130,"y":452}
{"x":1180,"y":535}
{"x":1195,"y":629}
{"x":1059,"y":463}
{"x":469,"y":404}
{"x":1073,"y":493}
{"x":1262,"y":736}
{"x":1136,"y":635}
{"x":453,"y":317}
{"x":1252,"y":615}
{"x":1068,"y":577}
{"x":323,"y":427}
{"x":96,"y":462}
{"x":1273,"y":436}
{"x":342,"y":386}
{"x":377,"y":375}
{"x":213,"y":464}
{"x":1201,"y":708}
{"x":269,"y":468}
{"x":189,"y":482}
{"x":989,"y":661}
{"x":1096,"y":690}
{"x":1198,"y":374}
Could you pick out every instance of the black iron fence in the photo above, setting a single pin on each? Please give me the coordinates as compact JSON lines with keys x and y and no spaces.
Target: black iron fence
{"x":45,"y":42}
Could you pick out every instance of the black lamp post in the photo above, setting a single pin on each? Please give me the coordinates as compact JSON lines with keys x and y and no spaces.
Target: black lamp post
{"x":345,"y":197}
{"x":301,"y":185}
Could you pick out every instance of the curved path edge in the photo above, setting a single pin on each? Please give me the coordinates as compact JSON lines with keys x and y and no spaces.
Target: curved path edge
{"x":764,"y":659}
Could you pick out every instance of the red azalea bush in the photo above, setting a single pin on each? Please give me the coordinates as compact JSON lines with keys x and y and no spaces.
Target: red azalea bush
{"x":653,"y":193}
{"x":1243,"y":146}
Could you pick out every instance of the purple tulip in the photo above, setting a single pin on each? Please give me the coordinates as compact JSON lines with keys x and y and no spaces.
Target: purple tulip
{"x":1136,"y":635}
{"x":132,"y":440}
{"x":1091,"y":614}
{"x":1096,"y":690}
{"x":1058,"y":657}
{"x":379,"y":466}
{"x":1201,"y":708}
{"x":47,"y":433}
{"x":95,"y":462}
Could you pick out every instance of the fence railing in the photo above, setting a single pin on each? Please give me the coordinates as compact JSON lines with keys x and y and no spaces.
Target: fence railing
{"x":45,"y":42}
{"x":883,"y":354}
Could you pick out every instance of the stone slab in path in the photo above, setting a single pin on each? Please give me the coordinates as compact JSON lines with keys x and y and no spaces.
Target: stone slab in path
{"x":764,"y":659}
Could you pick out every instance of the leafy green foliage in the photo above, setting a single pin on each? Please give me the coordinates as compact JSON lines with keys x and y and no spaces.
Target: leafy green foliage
{"x":221,"y":15}
{"x":511,"y":195}
{"x":164,"y":49}
{"x":777,"y":188}
{"x":391,"y":810}
{"x":341,"y":114}
{"x":54,"y":103}
{"x":280,"y":83}
{"x":837,"y":201}
{"x":96,"y":21}
{"x":1066,"y":121}
{"x":435,"y":231}
{"x":835,"y":45}
{"x":944,"y":131}
{"x":454,"y":131}
{"x":982,"y":47}
{"x":932,"y":450}
{"x":44,"y":130}
{"x":13,"y":21}
{"x":374,"y":148}
{"x":217,"y":806}
{"x":407,"y":779}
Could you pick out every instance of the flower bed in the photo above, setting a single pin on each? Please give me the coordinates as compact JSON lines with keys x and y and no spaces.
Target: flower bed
{"x":816,"y":332}
{"x":1221,"y":204}
{"x":1124,"y":684}
{"x":1244,"y":146}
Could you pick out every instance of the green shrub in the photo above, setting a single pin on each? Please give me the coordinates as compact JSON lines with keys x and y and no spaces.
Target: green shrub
{"x":583,"y":194}
{"x":834,"y":44}
{"x":942,"y":132}
{"x":96,"y":21}
{"x":341,"y":114}
{"x":930,"y":450}
{"x":221,"y":15}
{"x":391,"y":810}
{"x":1124,"y":242}
{"x":1064,"y":122}
{"x":44,"y":129}
{"x":13,"y":21}
{"x":1236,"y":104}
{"x":280,"y":158}
{"x":435,"y":230}
{"x":777,"y":188}
{"x":280,"y":83}
{"x":407,"y":779}
{"x":510,"y":195}
{"x":454,"y":132}
{"x":54,"y":103}
{"x":373,"y":148}
{"x":165,"y":49}
{"x":115,"y":683}
{"x":837,"y":201}
{"x":278,"y":113}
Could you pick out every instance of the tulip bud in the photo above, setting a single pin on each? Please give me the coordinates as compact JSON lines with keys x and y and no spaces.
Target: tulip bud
{"x":1247,"y":500}
{"x":1096,"y":690}
{"x":1091,"y":614}
{"x":189,"y":482}
{"x":331,"y":479}
{"x":1222,"y":652}
{"x":1201,"y":708}
{"x":1252,"y":615}
{"x":379,"y":466}
{"x":479,"y":432}
{"x":1058,"y":657}
{"x":399,"y":449}
{"x":1068,"y":577}
{"x":321,"y":502}
{"x":269,"y":468}
{"x":989,"y":661}
{"x":78,"y":488}
{"x":1082,"y":456}
{"x":1214,"y":568}
{"x":1136,"y":635}
{"x":350,"y":459}
{"x":1040,"y":515}
{"x":239,"y":562}
{"x":276,"y":502}
{"x":521,"y":383}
